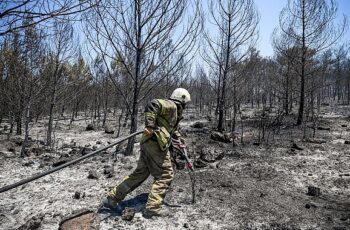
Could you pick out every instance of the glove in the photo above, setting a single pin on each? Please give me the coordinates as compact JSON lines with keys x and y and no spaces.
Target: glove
{"x":183,"y":141}
{"x":148,"y":131}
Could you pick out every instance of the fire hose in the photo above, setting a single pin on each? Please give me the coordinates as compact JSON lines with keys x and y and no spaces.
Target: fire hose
{"x":37,"y":176}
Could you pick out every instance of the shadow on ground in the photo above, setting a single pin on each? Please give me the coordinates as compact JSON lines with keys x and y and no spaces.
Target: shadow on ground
{"x":138,"y":203}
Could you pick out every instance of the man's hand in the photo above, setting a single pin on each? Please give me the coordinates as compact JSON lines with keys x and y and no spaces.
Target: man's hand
{"x":179,"y":143}
{"x":148,"y":131}
{"x":183,"y":141}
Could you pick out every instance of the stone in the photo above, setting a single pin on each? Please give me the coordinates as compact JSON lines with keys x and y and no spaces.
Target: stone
{"x":296,"y":146}
{"x":109,"y":129}
{"x":210,"y":154}
{"x":109,"y":171}
{"x":82,"y":220}
{"x":78,"y":195}
{"x":18,"y":141}
{"x":313,"y":191}
{"x":11,"y":149}
{"x":128,"y":214}
{"x":198,"y":125}
{"x":90,"y":127}
{"x":93,"y":174}
{"x":323,"y":128}
{"x":60,"y":162}
{"x":28,"y":163}
{"x":347,"y":142}
{"x":186,"y":225}
{"x":85,"y":151}
{"x":222,"y":137}
{"x":32,"y":223}
{"x":198,"y":163}
{"x":344,"y":126}
{"x":315,"y":141}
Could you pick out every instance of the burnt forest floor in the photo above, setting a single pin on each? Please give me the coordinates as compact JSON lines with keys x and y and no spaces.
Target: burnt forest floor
{"x":250,"y":186}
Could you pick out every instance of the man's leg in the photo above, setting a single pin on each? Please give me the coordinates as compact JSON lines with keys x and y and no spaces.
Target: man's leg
{"x":161,"y":169}
{"x":130,"y":182}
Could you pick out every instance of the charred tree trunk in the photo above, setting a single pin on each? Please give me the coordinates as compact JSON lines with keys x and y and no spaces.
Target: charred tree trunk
{"x":26,"y":135}
{"x":52,"y":106}
{"x":139,"y":50}
{"x":302,"y":77}
{"x":19,"y":123}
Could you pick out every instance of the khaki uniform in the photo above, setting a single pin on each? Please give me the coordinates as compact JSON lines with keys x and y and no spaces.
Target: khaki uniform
{"x":160,"y":115}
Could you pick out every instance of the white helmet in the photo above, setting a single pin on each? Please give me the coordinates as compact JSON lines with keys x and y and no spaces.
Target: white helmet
{"x":181,"y":95}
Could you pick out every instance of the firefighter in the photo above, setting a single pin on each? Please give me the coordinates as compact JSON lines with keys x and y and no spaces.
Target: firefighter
{"x":161,"y":116}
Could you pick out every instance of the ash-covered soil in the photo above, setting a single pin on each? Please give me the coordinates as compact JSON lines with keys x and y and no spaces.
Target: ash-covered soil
{"x":249,"y":186}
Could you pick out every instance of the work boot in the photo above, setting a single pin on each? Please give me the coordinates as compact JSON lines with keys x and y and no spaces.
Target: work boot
{"x":149,"y":214}
{"x":109,"y":203}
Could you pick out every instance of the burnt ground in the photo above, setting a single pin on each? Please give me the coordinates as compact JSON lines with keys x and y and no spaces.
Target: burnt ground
{"x":250,"y":186}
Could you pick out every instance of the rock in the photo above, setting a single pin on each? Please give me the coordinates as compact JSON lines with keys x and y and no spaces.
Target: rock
{"x":11,"y":149}
{"x":210,"y":154}
{"x":315,"y":141}
{"x":313,"y":191}
{"x":109,"y":129}
{"x":85,"y":151}
{"x":78,"y":195}
{"x":90,"y":127}
{"x":244,"y":117}
{"x":296,"y":146}
{"x":28,"y":163}
{"x":198,"y":125}
{"x":93,"y":174}
{"x":186,"y":225}
{"x":222,"y":137}
{"x":198,"y":163}
{"x":82,"y":220}
{"x":347,"y":142}
{"x":64,"y":155}
{"x":60,"y":162}
{"x":344,"y":126}
{"x":33,"y":223}
{"x":73,"y":151}
{"x":308,"y":206}
{"x":109,"y":171}
{"x":128,"y":214}
{"x":18,"y":141}
{"x":323,"y":128}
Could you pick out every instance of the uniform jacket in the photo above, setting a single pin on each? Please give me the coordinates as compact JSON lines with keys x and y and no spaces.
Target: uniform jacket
{"x":161,"y":115}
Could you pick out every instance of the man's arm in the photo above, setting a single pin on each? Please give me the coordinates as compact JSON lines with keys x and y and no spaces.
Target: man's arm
{"x":152,"y":110}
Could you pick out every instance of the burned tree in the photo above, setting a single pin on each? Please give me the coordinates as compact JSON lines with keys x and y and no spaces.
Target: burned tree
{"x":13,"y":13}
{"x":61,"y":51}
{"x":236,"y":23}
{"x":130,"y":35}
{"x":307,"y":25}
